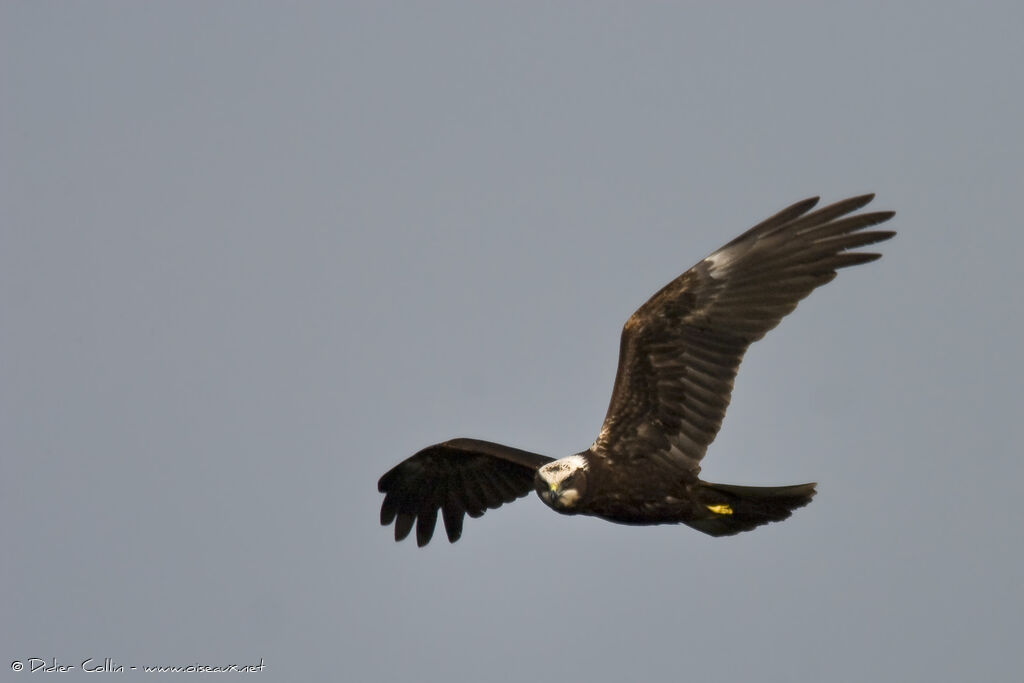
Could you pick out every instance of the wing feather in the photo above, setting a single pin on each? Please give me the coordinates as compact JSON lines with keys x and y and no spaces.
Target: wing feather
{"x":457,"y":477}
{"x":425,"y":523}
{"x":680,"y":351}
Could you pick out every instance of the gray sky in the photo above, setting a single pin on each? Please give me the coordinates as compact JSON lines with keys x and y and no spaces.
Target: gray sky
{"x":253,"y":255}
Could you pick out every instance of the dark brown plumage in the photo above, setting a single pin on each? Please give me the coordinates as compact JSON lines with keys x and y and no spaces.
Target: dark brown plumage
{"x":678,"y":357}
{"x":461,"y":476}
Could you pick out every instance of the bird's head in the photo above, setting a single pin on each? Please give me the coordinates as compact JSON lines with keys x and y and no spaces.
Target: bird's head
{"x":562,"y":483}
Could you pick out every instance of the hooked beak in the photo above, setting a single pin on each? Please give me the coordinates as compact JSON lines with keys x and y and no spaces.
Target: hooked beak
{"x":549,"y":494}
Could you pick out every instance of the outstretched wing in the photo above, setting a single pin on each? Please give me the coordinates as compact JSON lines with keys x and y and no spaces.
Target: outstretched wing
{"x":680,"y":351}
{"x":457,"y":477}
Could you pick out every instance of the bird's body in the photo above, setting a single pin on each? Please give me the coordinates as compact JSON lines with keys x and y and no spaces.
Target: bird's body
{"x":639,"y":495}
{"x":678,"y":356}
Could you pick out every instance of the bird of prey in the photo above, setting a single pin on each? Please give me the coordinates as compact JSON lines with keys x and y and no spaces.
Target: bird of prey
{"x":678,"y":356}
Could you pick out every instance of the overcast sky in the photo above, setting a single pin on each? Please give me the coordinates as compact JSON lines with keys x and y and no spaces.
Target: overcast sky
{"x":252,"y":255}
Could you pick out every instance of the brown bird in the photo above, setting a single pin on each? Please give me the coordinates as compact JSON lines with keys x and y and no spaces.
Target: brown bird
{"x":678,"y":356}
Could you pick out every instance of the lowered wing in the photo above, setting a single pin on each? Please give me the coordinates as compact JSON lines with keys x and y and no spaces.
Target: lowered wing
{"x":457,"y":477}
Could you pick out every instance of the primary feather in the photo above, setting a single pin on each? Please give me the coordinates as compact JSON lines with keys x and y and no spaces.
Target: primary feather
{"x":678,"y":358}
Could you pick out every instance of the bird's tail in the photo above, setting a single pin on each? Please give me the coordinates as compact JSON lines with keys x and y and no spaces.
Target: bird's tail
{"x":732,"y":509}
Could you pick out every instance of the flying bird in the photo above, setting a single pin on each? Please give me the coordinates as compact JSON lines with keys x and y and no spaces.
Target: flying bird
{"x":678,"y":356}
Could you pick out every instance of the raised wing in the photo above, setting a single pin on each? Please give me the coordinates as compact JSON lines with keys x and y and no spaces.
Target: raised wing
{"x":680,"y":351}
{"x":457,"y":477}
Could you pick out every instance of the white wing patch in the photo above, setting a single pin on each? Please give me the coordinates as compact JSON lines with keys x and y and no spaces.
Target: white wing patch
{"x":718,"y":263}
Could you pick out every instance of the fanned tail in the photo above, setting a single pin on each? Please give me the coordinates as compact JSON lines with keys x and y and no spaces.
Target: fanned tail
{"x":732,"y":509}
